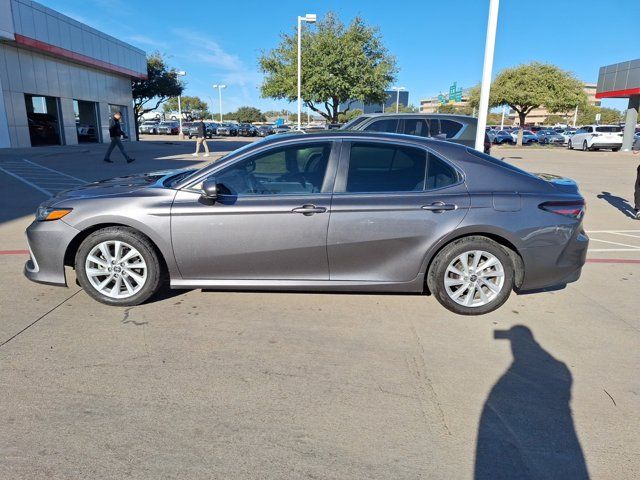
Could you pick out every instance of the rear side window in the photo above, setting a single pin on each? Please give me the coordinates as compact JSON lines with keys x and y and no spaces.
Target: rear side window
{"x":375,"y":167}
{"x":449,"y":128}
{"x":418,"y":127}
{"x":389,"y":125}
{"x":439,"y":174}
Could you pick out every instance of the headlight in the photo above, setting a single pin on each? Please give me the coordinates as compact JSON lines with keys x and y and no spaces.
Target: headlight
{"x":45,"y":214}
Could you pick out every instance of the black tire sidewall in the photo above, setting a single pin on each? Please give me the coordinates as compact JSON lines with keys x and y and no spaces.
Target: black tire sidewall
{"x":140,"y":243}
{"x":436,"y":274}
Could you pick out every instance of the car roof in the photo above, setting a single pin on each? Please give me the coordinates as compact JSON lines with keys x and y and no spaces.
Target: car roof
{"x":337,"y":134}
{"x":421,"y":114}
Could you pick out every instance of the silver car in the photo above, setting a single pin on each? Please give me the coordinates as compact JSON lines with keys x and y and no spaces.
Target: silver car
{"x":332,"y":211}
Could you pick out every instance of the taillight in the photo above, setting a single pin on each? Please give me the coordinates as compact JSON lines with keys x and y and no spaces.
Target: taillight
{"x":573,"y":208}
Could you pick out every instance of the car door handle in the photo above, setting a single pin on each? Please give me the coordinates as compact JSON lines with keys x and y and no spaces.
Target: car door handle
{"x":309,"y":210}
{"x":438,"y":207}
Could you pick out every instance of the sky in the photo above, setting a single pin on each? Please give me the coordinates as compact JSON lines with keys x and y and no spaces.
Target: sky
{"x":435,"y":42}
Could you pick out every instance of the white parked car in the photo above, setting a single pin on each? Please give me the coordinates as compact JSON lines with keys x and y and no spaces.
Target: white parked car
{"x":595,"y":137}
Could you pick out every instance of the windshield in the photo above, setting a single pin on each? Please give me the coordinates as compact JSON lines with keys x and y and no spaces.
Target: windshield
{"x":609,"y":129}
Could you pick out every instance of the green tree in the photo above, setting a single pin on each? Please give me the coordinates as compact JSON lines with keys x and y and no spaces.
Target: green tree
{"x":401,"y":108}
{"x":534,"y":85}
{"x":556,"y":118}
{"x":339,"y":65}
{"x":161,"y":84}
{"x":195,"y":105}
{"x":350,"y":115}
{"x":587,"y":115}
{"x":249,"y":115}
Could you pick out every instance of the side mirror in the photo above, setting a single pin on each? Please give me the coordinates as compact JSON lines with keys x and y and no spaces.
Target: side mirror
{"x":210,"y":189}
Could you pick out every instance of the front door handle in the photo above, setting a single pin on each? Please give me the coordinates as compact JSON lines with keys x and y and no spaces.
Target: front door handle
{"x":438,"y":207}
{"x":308,"y":210}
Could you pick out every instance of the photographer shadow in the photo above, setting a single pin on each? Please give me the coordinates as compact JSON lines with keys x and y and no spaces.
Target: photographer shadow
{"x":526,"y":428}
{"x":620,"y":203}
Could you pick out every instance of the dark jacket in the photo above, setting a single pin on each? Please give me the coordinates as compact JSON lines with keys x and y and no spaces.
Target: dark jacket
{"x":201,"y":129}
{"x":115,"y":131}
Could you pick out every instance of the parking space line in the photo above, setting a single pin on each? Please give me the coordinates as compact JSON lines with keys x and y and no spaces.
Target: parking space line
{"x":44,"y":179}
{"x":635,"y":247}
{"x":54,"y":171}
{"x":24,"y":180}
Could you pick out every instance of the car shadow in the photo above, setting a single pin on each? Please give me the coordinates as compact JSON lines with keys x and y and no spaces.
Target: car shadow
{"x":526,"y":428}
{"x":620,"y":203}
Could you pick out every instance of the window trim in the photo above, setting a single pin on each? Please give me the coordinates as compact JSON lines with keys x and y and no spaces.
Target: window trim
{"x":340,"y":185}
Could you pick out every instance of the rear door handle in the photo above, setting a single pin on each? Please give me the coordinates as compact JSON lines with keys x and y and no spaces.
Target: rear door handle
{"x":439,"y":207}
{"x":309,"y":210}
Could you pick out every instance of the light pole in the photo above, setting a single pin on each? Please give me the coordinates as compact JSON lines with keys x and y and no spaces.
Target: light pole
{"x":180,"y":73}
{"x":504,"y":109}
{"x":219,"y":87}
{"x":398,"y":90}
{"x":309,"y":18}
{"x":489,"y":47}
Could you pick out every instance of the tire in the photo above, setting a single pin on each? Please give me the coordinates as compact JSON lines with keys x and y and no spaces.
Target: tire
{"x":615,"y":149}
{"x":585,"y":146}
{"x":135,"y":291}
{"x":569,"y":145}
{"x":450,"y":256}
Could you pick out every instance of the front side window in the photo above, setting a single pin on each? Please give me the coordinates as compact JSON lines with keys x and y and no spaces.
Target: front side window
{"x":389,"y":125}
{"x":291,"y":170}
{"x":385,"y":168}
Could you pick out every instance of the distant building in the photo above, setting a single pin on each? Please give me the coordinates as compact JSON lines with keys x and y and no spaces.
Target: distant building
{"x":538,"y":116}
{"x":392,"y":95}
{"x":430,"y":105}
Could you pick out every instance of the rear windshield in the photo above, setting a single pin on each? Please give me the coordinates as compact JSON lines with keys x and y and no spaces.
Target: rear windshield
{"x":608,"y":129}
{"x":498,"y":162}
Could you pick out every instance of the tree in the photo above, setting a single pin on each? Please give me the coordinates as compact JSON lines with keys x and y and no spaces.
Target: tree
{"x":339,"y":65}
{"x":401,"y":108}
{"x":194,"y":105}
{"x":556,"y":118}
{"x":161,"y":84}
{"x":534,"y":85}
{"x":350,"y":115}
{"x":587,"y":115}
{"x":249,"y":115}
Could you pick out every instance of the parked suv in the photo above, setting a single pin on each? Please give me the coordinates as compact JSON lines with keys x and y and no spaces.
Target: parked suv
{"x":454,"y":128}
{"x":594,"y":137}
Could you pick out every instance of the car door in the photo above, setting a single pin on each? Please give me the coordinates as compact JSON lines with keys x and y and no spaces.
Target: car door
{"x":268,"y":222}
{"x":390,"y":203}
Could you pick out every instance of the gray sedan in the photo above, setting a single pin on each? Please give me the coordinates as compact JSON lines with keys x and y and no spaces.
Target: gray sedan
{"x":350,"y":211}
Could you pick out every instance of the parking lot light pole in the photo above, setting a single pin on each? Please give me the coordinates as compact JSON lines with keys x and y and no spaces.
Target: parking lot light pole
{"x":398,"y":90}
{"x":504,"y":108}
{"x":309,"y":18}
{"x":220,"y":87}
{"x":180,"y":73}
{"x":489,"y":47}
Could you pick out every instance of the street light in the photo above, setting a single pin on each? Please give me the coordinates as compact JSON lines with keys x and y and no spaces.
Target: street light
{"x":180,"y":73}
{"x":398,"y":90}
{"x":309,"y":18}
{"x":492,"y":24}
{"x":219,"y":87}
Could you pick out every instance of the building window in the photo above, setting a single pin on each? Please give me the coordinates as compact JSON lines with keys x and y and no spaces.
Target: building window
{"x":43,"y":115}
{"x":87,"y":127}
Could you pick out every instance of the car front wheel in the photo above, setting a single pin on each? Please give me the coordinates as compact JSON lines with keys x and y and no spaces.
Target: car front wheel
{"x":585,"y":146}
{"x":472,"y":276}
{"x":118,"y":266}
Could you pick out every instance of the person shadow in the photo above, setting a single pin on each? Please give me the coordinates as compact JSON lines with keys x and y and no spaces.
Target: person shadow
{"x":526,"y":429}
{"x":620,"y":203}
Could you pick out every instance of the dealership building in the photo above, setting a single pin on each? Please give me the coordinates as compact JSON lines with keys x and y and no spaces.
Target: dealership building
{"x":61,"y":80}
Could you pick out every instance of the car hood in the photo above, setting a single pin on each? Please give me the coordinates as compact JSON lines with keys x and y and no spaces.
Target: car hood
{"x":116,"y":186}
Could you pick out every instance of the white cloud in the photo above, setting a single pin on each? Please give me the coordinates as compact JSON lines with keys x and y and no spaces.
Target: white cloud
{"x":145,"y":41}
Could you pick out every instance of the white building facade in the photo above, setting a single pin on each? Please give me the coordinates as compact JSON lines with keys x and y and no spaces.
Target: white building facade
{"x":60,"y":80}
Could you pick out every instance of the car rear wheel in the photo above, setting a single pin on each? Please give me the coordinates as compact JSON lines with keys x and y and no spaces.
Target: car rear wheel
{"x":472,"y":276}
{"x":585,"y":146}
{"x":569,"y":145}
{"x":118,"y":266}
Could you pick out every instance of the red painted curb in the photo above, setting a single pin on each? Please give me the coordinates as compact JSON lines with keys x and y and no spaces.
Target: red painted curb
{"x":14,"y":252}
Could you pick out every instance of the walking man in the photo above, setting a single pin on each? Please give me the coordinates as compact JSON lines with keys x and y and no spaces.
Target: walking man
{"x":115,"y":132}
{"x":201,"y":138}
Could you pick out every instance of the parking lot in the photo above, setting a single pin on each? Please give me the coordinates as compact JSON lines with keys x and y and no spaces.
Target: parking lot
{"x":204,"y":384}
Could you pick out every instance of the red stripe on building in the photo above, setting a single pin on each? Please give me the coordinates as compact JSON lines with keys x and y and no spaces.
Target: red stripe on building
{"x":619,"y":93}
{"x":75,"y":57}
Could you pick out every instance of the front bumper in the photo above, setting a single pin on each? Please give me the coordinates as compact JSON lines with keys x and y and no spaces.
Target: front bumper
{"x":48,"y":242}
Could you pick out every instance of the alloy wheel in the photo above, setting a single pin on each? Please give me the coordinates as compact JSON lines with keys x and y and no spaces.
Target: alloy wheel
{"x":116,"y":269}
{"x":474,"y":278}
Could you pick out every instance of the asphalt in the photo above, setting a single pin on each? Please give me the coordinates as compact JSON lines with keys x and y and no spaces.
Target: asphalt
{"x":246,"y":385}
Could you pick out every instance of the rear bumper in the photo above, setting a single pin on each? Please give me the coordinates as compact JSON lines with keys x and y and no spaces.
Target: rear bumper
{"x":606,"y":145}
{"x":554,"y":265}
{"x":48,"y":242}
